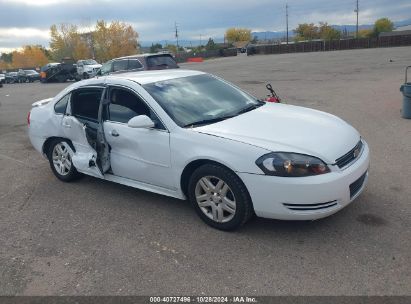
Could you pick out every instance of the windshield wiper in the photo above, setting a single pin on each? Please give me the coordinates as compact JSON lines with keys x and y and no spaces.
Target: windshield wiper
{"x":250,"y":108}
{"x":218,"y":119}
{"x":208,"y":121}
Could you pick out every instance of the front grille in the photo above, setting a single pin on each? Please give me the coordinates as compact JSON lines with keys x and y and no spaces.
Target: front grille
{"x":350,"y":156}
{"x":356,"y":186}
{"x":308,"y":207}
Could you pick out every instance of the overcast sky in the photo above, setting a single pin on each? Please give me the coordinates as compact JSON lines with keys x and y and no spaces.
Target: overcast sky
{"x":28,"y":21}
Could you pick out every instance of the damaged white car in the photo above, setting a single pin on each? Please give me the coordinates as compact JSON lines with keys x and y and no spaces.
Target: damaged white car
{"x":189,"y":134}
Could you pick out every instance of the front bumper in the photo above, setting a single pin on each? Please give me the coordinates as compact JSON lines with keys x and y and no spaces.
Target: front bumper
{"x":307,"y":198}
{"x":92,"y":73}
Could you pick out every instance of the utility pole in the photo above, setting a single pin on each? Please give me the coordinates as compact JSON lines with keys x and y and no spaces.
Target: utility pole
{"x":176,"y":28}
{"x":357,"y":10}
{"x":201,"y":40}
{"x":286,"y":18}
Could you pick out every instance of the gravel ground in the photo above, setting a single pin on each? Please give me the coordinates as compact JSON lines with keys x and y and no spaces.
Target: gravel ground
{"x":98,"y":238}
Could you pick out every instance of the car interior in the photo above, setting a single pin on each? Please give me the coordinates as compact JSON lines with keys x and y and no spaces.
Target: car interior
{"x":125,"y":105}
{"x":85,"y":106}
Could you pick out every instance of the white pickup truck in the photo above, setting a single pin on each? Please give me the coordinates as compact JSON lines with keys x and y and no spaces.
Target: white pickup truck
{"x":87,"y":68}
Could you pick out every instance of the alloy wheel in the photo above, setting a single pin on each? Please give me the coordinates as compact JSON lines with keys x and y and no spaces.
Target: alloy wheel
{"x":61,"y":159}
{"x":215,"y":199}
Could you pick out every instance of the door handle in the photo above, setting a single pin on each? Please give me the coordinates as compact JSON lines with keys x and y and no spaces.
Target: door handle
{"x":65,"y":125}
{"x":114,"y":133}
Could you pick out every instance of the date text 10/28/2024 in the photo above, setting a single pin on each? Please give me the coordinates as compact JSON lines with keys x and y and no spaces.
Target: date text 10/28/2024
{"x":203,"y":299}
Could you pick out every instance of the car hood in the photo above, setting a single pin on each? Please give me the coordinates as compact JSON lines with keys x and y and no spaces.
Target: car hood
{"x":286,"y":128}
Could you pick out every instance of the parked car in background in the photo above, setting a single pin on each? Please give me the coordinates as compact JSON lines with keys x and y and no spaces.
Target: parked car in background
{"x":87,"y":68}
{"x":21,"y":76}
{"x":188,"y":134}
{"x":58,"y":72}
{"x":143,"y":62}
{"x":2,"y":79}
{"x":11,"y":77}
{"x":32,"y":75}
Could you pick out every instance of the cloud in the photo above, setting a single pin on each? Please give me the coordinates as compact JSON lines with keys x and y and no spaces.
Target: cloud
{"x":154,"y":19}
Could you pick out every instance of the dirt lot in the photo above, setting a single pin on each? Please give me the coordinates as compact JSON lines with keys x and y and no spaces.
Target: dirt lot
{"x":98,"y":238}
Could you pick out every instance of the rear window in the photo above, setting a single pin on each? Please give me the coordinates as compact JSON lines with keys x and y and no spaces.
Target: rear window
{"x":161,"y":62}
{"x":61,"y":105}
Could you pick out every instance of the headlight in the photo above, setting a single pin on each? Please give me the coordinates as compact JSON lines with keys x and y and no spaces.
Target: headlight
{"x":291,"y":165}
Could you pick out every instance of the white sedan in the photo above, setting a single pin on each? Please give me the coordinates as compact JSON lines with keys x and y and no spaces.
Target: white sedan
{"x":188,"y":134}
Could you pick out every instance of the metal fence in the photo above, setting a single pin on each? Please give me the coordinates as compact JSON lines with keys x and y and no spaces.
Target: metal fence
{"x":333,"y":45}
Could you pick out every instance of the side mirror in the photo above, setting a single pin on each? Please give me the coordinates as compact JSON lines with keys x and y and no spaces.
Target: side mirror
{"x":141,"y":121}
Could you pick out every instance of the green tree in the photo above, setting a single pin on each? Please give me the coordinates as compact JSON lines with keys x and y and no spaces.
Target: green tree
{"x":306,"y":31}
{"x":382,"y":25}
{"x":172,"y":48}
{"x":238,"y":34}
{"x":210,"y":45}
{"x":5,"y":61}
{"x":327,"y":32}
{"x":155,"y":47}
{"x":365,"y":33}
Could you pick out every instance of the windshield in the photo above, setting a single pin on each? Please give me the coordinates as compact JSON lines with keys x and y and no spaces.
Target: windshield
{"x":200,"y":99}
{"x":89,"y":62}
{"x":106,"y":68}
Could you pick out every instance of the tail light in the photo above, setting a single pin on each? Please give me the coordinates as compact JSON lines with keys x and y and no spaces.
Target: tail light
{"x":28,"y":118}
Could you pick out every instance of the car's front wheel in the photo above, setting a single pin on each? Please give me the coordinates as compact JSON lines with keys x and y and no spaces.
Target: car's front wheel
{"x":61,"y":163}
{"x":219,"y":197}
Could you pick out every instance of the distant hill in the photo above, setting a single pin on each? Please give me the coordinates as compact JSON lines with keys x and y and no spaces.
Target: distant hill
{"x":348,"y":27}
{"x":403,"y":23}
{"x":268,"y":35}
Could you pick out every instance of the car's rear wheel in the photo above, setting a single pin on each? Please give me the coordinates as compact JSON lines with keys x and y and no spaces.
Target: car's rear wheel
{"x":60,"y":159}
{"x":219,"y":197}
{"x":85,"y":75}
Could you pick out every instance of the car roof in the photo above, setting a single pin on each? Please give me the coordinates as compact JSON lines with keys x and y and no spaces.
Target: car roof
{"x":144,"y":55}
{"x":146,"y":77}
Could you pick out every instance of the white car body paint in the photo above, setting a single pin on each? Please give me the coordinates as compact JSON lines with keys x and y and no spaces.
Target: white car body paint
{"x":90,"y":69}
{"x":154,"y":160}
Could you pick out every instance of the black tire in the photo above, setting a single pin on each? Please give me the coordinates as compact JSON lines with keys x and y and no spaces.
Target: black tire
{"x":61,"y":78}
{"x":85,"y":75}
{"x":244,"y":207}
{"x":71,"y":174}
